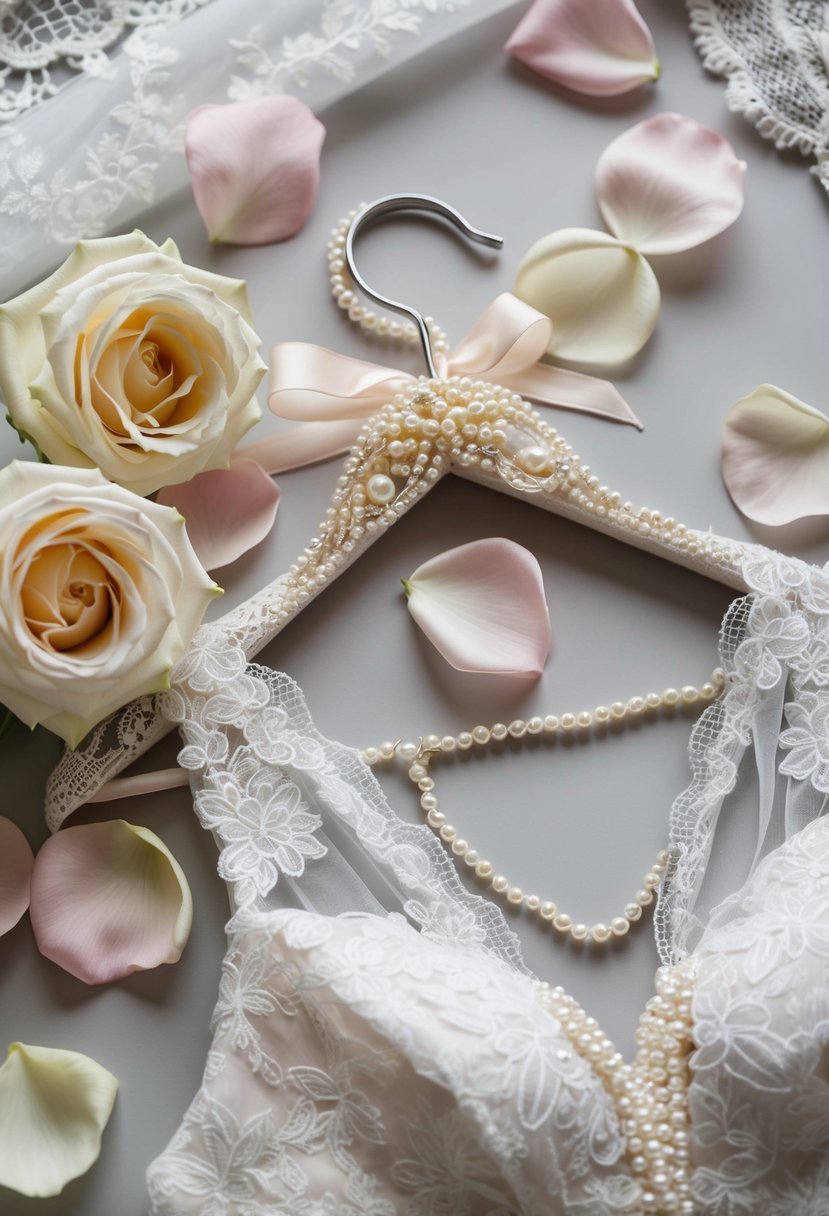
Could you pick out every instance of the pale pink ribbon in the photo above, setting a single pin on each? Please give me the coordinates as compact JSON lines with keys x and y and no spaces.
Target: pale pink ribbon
{"x":337,"y":393}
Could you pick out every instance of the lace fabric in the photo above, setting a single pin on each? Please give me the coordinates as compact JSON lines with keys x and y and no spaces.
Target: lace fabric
{"x":774,"y":56}
{"x":126,"y":73}
{"x":379,"y":1045}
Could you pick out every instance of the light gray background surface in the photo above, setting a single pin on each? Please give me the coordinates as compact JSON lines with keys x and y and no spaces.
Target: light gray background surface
{"x":579,"y":824}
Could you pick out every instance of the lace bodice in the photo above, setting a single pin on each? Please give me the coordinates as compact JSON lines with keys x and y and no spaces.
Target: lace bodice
{"x":379,"y":1045}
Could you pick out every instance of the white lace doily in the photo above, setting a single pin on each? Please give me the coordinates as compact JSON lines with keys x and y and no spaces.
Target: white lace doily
{"x":774,"y":54}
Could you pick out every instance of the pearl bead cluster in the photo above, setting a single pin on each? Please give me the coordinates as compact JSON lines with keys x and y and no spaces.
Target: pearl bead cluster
{"x":419,"y":755}
{"x":650,"y":1095}
{"x":342,"y":288}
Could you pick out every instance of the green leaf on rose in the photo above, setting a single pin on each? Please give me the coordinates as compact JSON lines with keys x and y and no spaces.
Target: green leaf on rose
{"x":25,"y":437}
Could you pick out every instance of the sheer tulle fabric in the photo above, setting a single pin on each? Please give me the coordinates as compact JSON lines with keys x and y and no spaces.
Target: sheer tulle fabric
{"x":379,"y":1044}
{"x":126,"y":76}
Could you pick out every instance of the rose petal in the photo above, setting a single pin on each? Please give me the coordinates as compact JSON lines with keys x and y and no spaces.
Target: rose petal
{"x":482,"y":606}
{"x":16,"y":862}
{"x":775,"y":457}
{"x":227,"y":511}
{"x":598,"y":47}
{"x":109,"y":899}
{"x":254,"y":168}
{"x":54,"y":1105}
{"x":669,"y":184}
{"x":600,"y":294}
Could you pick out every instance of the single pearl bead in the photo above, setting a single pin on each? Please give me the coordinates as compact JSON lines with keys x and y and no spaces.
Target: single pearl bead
{"x":431,"y":743}
{"x":619,"y":926}
{"x":418,"y":771}
{"x":532,"y":903}
{"x":568,"y":721}
{"x":371,"y":755}
{"x":633,"y":911}
{"x":643,"y":898}
{"x":600,"y":932}
{"x":499,"y":731}
{"x":547,"y":910}
{"x":380,"y":489}
{"x":618,"y":711}
{"x":579,"y":932}
{"x":436,"y":819}
{"x":429,"y":802}
{"x":499,"y":883}
{"x":636,"y":706}
{"x":517,"y":729}
{"x":670,"y":697}
{"x":460,"y":847}
{"x":407,"y":751}
{"x":602,"y":714}
{"x":448,"y":743}
{"x":464,"y":740}
{"x":551,"y":724}
{"x":483,"y":869}
{"x":515,"y":895}
{"x":387,"y":750}
{"x":562,"y":922}
{"x":535,"y":725}
{"x":448,"y":833}
{"x":584,"y":719}
{"x":689,"y":694}
{"x":480,"y":734}
{"x":535,"y":459}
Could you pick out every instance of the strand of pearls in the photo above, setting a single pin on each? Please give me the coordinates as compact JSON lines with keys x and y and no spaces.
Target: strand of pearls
{"x":650,"y":1095}
{"x":418,"y":756}
{"x":342,"y":289}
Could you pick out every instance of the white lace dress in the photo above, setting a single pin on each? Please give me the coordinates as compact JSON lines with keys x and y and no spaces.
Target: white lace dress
{"x":381,"y":1049}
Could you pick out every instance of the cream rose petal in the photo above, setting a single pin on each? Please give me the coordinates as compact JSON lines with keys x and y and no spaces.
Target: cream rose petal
{"x":600,"y":294}
{"x":227,"y":511}
{"x":775,"y":457}
{"x":16,"y":862}
{"x":597,"y":47}
{"x":109,"y":899}
{"x":668,"y":184}
{"x":54,"y":1106}
{"x":254,"y":168}
{"x":482,"y":606}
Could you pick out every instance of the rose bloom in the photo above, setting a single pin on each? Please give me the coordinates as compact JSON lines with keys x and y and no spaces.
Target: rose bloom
{"x":129,"y":361}
{"x":100,"y":594}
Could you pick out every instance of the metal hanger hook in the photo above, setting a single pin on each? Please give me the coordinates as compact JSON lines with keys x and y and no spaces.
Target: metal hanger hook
{"x":409,"y":202}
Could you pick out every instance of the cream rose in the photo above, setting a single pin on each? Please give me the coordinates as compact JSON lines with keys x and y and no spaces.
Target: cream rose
{"x":100,"y":594}
{"x":130,"y":361}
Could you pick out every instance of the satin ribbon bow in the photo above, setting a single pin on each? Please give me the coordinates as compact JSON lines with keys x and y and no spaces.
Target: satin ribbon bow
{"x":334,"y":393}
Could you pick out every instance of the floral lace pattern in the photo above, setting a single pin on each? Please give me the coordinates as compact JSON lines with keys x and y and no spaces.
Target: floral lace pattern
{"x":774,"y":57}
{"x":133,"y":80}
{"x":383,"y":1049}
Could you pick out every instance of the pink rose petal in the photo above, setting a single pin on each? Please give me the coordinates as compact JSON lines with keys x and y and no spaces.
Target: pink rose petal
{"x":227,"y":511}
{"x":254,"y":168}
{"x":482,"y":606}
{"x":669,"y":184}
{"x":16,"y":862}
{"x":598,"y":47}
{"x":775,"y":457}
{"x":109,"y":899}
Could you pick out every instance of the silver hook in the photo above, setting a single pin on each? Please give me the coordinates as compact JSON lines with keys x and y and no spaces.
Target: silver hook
{"x":409,"y":202}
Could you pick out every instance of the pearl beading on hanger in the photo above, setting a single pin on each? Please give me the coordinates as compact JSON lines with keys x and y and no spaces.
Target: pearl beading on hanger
{"x":650,"y":1095}
{"x":438,"y":425}
{"x":418,"y":756}
{"x":342,"y":289}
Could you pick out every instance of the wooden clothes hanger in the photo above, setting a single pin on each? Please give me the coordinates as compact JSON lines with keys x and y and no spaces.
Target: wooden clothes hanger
{"x":480,"y":431}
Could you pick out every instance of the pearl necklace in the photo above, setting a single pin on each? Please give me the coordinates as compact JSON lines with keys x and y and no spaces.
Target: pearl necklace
{"x":650,"y":1095}
{"x":418,"y":756}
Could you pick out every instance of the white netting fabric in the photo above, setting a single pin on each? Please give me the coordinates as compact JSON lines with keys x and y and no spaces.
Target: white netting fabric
{"x":774,"y":56}
{"x":125,"y":74}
